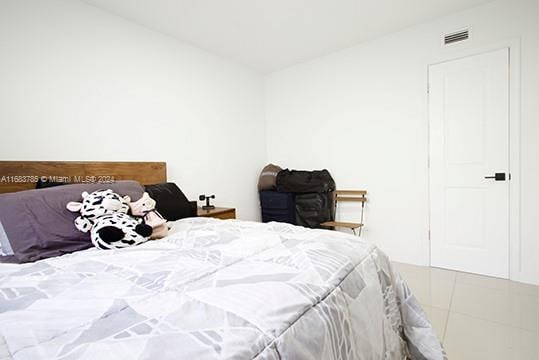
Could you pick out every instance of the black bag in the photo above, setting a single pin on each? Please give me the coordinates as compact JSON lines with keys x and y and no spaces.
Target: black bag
{"x":299,"y":181}
{"x":312,"y":209}
{"x":278,"y":206}
{"x":171,"y":203}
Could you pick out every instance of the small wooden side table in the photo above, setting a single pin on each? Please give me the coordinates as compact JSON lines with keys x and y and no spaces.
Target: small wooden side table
{"x":218,"y":213}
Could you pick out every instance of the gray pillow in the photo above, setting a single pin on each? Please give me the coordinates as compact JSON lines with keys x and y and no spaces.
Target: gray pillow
{"x":35,"y":224}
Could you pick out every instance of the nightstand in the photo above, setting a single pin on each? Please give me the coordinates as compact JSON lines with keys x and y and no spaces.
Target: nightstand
{"x":218,"y":213}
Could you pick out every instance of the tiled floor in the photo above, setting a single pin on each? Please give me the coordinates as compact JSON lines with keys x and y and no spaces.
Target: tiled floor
{"x":478,"y":317}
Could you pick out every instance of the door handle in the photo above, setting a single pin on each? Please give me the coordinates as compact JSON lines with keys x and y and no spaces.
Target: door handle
{"x":497,"y":177}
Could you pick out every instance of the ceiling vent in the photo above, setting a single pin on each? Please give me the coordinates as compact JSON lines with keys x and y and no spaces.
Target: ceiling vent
{"x":456,"y":37}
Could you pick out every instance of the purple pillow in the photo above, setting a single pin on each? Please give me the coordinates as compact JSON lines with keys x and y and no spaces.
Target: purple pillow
{"x":35,"y":224}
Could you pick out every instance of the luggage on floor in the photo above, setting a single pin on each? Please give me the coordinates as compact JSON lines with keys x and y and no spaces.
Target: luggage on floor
{"x":300,"y":181}
{"x":268,"y":176}
{"x":312,"y":209}
{"x":278,"y":206}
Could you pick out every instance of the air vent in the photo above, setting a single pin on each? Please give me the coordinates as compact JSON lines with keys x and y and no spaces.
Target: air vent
{"x":456,"y":37}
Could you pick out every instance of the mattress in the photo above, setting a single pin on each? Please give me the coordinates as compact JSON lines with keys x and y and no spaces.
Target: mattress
{"x":216,"y":289}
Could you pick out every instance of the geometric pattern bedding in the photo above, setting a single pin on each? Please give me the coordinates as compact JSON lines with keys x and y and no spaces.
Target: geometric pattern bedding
{"x":216,"y":289}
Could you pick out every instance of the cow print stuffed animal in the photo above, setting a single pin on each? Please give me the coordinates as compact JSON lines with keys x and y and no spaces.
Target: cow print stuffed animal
{"x":104,"y":214}
{"x":145,"y":208}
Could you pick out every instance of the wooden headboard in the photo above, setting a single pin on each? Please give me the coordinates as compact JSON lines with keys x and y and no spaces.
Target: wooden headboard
{"x":23,"y":175}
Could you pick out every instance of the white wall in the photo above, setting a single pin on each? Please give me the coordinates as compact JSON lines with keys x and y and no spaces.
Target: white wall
{"x":79,"y":84}
{"x":361,"y":113}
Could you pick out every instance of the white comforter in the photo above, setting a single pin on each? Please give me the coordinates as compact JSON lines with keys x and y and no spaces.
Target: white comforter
{"x":216,"y":290}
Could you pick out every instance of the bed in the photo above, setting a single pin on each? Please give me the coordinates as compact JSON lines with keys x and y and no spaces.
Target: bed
{"x":216,"y":289}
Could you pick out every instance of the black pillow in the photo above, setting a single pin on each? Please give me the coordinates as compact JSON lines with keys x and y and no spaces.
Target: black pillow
{"x":42,"y":184}
{"x":171,"y":202}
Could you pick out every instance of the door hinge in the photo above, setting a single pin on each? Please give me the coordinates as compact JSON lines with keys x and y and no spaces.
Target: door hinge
{"x":428,"y":88}
{"x":429,"y":234}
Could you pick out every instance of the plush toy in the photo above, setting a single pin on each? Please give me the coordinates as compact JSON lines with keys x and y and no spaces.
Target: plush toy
{"x":145,"y":208}
{"x":104,"y":214}
{"x":119,"y":230}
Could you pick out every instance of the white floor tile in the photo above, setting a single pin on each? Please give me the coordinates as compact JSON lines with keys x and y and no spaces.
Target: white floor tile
{"x":431,"y":286}
{"x":482,"y":302}
{"x":476,"y":339}
{"x":524,"y":289}
{"x":524,"y":312}
{"x":497,"y":304}
{"x":483,"y":281}
{"x":524,"y":344}
{"x":478,"y":317}
{"x":500,"y":284}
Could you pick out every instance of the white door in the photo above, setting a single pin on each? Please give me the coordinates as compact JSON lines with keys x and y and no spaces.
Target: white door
{"x":469,"y":144}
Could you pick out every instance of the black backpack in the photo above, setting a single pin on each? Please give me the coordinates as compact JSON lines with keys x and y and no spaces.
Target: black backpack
{"x":312,"y":209}
{"x":300,"y":181}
